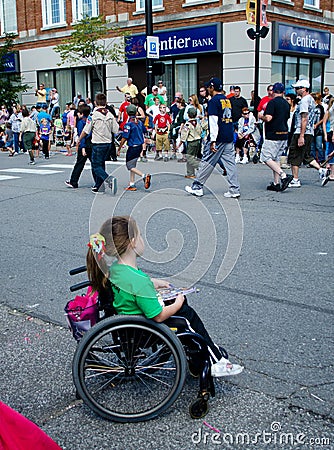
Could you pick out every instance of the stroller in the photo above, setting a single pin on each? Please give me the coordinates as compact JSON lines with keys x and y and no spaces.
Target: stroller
{"x":59,"y":137}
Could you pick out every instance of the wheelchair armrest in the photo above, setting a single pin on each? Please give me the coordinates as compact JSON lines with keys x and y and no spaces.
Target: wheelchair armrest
{"x":78,"y":286}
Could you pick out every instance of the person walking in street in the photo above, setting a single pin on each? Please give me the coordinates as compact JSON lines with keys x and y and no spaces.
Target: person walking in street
{"x":276,"y":116}
{"x":219,"y":144}
{"x":300,"y":147}
{"x":28,"y":132}
{"x":102,"y":125}
{"x":84,"y":148}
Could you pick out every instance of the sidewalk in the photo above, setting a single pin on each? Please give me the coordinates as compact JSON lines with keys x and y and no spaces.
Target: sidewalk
{"x":36,"y":381}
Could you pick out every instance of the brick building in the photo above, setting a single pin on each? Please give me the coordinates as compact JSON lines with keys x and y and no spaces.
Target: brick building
{"x":198,"y":39}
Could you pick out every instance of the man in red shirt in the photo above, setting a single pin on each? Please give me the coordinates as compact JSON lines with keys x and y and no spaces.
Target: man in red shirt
{"x":162,"y":123}
{"x":266,"y":99}
{"x":122,"y":114}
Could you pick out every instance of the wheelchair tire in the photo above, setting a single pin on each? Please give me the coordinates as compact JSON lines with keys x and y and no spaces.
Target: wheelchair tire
{"x":129,"y":368}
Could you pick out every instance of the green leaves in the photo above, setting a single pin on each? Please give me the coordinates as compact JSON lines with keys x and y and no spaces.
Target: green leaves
{"x":95,"y":41}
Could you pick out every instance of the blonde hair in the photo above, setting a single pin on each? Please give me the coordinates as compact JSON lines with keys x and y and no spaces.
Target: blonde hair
{"x":196,"y":103}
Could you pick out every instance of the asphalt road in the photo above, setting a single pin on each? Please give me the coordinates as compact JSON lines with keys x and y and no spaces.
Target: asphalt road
{"x":263,"y":267}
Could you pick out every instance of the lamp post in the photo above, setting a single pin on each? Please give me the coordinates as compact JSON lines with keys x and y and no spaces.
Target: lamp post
{"x":149,"y":32}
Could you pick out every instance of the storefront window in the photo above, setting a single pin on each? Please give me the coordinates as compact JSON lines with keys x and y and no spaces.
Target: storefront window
{"x":304,"y":68}
{"x":64,"y":87}
{"x":8,"y":16}
{"x":316,"y":75}
{"x":277,"y":67}
{"x":290,"y":71}
{"x":186,"y":76}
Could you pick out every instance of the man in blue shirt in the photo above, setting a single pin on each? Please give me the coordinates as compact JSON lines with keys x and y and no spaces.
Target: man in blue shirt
{"x":219,"y":144}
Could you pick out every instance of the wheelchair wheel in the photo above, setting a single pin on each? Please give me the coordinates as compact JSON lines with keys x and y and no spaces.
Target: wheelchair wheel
{"x":129,"y":369}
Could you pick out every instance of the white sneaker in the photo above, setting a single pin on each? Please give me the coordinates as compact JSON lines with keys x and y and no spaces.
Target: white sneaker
{"x":229,"y":194}
{"x":237,"y":159}
{"x":322,"y":173}
{"x":244,"y":160}
{"x":295,"y":184}
{"x":196,"y":192}
{"x":224,"y":368}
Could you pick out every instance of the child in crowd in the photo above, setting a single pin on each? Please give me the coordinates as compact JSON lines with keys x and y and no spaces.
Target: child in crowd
{"x":191,"y":133}
{"x":9,"y":139}
{"x":84,"y":148}
{"x":68,"y":139}
{"x":153,"y":110}
{"x":44,"y":132}
{"x":133,"y":133}
{"x":162,"y":122}
{"x":134,"y":291}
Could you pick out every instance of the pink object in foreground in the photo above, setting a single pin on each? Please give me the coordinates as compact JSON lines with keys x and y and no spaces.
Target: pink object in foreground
{"x":19,"y":433}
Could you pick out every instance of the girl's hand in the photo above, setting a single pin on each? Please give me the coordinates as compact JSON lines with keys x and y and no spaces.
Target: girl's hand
{"x":159,"y":284}
{"x":179,"y":299}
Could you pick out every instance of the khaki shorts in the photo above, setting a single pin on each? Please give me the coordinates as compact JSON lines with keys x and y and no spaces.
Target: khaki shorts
{"x":272,"y":150}
{"x":298,"y":155}
{"x":162,"y":142}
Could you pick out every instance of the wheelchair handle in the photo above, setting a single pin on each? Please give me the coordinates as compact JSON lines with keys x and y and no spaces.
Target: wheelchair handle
{"x":78,"y":270}
{"x":78,"y":286}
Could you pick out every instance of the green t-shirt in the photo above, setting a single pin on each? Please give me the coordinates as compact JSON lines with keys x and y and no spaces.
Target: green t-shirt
{"x":149,"y":100}
{"x":137,"y":294}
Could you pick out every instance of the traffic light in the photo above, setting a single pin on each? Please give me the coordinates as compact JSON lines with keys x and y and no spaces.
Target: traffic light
{"x":158,"y":68}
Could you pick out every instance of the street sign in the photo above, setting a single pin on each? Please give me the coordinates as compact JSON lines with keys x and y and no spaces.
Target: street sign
{"x":152,"y":47}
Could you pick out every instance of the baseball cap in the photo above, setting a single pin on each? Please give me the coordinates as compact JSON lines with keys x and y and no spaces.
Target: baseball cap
{"x":302,"y":84}
{"x":154,"y":87}
{"x":278,"y":88}
{"x":215,"y":83}
{"x":192,"y":113}
{"x":131,"y":110}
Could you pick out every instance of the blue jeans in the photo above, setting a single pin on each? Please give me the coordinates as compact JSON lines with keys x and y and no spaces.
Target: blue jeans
{"x":317,"y":150}
{"x":16,"y":142}
{"x":100,"y":153}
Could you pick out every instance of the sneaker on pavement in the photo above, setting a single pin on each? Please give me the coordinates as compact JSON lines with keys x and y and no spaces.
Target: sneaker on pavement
{"x":147,"y":181}
{"x":70,"y":185}
{"x":237,"y":159}
{"x":95,"y":190}
{"x":324,"y":181}
{"x":274,"y":187}
{"x":197,"y":192}
{"x":224,"y":368}
{"x":112,"y":184}
{"x":295,"y":184}
{"x":244,"y":160}
{"x":131,"y":187}
{"x":322,"y":173}
{"x":229,"y":194}
{"x":32,"y":163}
{"x":285,"y":182}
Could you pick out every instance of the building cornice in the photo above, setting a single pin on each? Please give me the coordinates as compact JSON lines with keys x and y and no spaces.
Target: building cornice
{"x":278,"y":13}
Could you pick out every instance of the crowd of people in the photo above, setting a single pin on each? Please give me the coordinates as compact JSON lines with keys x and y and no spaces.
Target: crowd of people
{"x":281,"y":130}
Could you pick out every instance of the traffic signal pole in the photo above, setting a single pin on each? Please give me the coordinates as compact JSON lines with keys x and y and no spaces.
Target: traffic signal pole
{"x":149,"y":32}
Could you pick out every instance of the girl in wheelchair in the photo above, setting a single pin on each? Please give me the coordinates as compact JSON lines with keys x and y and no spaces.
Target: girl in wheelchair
{"x":134,"y":292}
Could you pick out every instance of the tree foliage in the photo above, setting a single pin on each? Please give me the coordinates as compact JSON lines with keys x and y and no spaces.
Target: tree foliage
{"x":11,"y":84}
{"x":90,"y":43}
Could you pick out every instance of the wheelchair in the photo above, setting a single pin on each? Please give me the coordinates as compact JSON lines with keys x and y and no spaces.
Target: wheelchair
{"x":128,"y":368}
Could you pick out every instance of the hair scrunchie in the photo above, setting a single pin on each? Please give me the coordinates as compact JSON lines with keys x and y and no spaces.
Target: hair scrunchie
{"x":97,"y":244}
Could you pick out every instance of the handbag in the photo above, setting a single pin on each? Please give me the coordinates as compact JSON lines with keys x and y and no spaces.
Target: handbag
{"x":82,"y":313}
